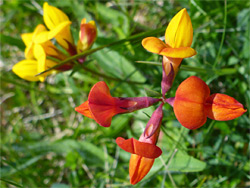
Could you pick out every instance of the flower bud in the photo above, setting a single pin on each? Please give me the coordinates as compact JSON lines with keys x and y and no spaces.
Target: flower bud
{"x":87,"y":35}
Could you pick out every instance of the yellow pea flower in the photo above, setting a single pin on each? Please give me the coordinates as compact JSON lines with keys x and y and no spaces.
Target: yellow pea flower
{"x":59,"y":25}
{"x":178,"y":39}
{"x":27,"y":69}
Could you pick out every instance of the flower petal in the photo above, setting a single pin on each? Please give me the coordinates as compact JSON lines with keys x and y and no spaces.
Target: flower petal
{"x":84,"y":109}
{"x":189,"y":102}
{"x":26,"y":69}
{"x":61,"y":32}
{"x":222,"y":107}
{"x":102,"y":105}
{"x":153,"y":44}
{"x":190,"y":115}
{"x":29,"y":39}
{"x":181,"y":52}
{"x":43,"y":63}
{"x":139,"y":167}
{"x":179,"y":32}
{"x":139,"y":148}
{"x":53,"y":16}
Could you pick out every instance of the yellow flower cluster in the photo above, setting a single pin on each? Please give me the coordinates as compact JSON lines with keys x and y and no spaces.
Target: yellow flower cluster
{"x":39,"y":45}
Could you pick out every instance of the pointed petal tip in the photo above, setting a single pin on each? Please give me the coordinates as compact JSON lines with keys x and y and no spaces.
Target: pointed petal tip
{"x":222,"y":107}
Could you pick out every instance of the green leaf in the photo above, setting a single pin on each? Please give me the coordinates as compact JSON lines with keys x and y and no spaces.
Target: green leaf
{"x":118,"y":124}
{"x":186,"y":163}
{"x":181,"y":162}
{"x":6,"y":39}
{"x":117,"y":65}
{"x":11,"y":182}
{"x":60,"y":185}
{"x":11,"y":169}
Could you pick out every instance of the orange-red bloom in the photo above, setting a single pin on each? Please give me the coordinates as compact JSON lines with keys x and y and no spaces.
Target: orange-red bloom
{"x":193,"y":104}
{"x":145,"y":150}
{"x":101,"y":106}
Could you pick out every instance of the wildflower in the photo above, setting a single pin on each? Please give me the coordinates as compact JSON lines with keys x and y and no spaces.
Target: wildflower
{"x":193,"y":104}
{"x":87,"y":35}
{"x":39,"y":47}
{"x":36,"y":57}
{"x":145,"y":150}
{"x":178,"y":39}
{"x":59,"y":25}
{"x":101,"y":106}
{"x":28,"y":69}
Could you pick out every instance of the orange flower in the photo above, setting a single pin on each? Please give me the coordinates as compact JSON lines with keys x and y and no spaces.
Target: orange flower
{"x":145,"y":150}
{"x":101,"y":106}
{"x":193,"y":104}
{"x":139,"y":167}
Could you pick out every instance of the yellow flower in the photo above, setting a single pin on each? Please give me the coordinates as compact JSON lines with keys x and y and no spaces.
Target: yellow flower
{"x":178,"y":38}
{"x":87,"y":35}
{"x":29,"y":40}
{"x":28,"y":69}
{"x":59,"y":26}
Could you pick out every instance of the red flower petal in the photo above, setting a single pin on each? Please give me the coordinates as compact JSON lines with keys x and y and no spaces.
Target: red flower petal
{"x":189,"y":102}
{"x":139,"y":148}
{"x":139,"y":167}
{"x":84,"y":110}
{"x":222,"y":107}
{"x":102,"y":105}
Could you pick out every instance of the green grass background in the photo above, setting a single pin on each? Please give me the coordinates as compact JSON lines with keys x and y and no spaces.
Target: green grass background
{"x":45,"y":143}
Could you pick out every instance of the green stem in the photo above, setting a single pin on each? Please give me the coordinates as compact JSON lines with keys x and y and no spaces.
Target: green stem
{"x":111,"y":78}
{"x":223,"y":35}
{"x":88,"y":52}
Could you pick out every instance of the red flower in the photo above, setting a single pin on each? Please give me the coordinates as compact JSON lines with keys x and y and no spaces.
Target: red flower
{"x":101,"y":106}
{"x":193,"y":104}
{"x":145,"y":150}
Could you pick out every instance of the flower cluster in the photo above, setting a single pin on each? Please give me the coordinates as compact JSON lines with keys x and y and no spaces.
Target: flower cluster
{"x":192,"y":103}
{"x":41,"y":53}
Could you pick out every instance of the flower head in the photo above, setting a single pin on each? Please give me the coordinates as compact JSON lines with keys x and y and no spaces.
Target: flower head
{"x":193,"y":104}
{"x":178,"y":38}
{"x":145,"y":150}
{"x":36,"y":57}
{"x":101,"y":106}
